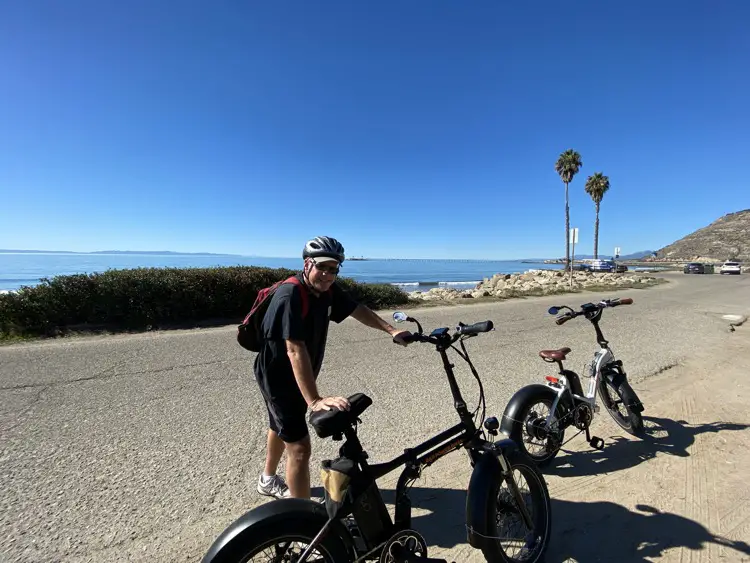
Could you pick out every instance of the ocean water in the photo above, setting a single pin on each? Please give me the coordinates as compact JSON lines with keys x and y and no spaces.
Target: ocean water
{"x":17,"y":270}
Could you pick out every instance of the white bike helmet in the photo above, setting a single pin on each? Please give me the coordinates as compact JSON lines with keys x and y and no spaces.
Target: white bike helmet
{"x":324,"y":247}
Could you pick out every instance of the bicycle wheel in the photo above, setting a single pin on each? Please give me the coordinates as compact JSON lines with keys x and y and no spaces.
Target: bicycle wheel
{"x":618,"y":398}
{"x":513,"y":541}
{"x":285,"y":541}
{"x":539,"y":444}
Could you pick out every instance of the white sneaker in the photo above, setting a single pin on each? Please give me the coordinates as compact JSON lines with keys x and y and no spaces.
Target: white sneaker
{"x":274,"y":486}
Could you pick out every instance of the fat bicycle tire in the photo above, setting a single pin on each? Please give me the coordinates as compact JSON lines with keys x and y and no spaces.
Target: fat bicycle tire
{"x":331,"y":549}
{"x":632,"y":422}
{"x":544,"y":459}
{"x":540,"y":507}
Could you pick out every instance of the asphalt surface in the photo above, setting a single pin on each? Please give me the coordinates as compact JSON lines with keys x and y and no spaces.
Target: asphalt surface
{"x":144,"y":447}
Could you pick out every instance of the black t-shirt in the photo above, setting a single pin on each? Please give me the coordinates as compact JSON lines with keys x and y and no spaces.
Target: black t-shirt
{"x":283,"y":321}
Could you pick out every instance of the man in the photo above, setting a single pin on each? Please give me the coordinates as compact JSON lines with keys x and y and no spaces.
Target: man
{"x":290,"y":359}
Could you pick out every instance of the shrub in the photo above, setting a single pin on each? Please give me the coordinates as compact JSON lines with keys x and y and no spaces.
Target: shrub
{"x":140,"y":298}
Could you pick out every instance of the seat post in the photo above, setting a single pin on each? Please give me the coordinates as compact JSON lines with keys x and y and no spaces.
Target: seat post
{"x":559,"y":364}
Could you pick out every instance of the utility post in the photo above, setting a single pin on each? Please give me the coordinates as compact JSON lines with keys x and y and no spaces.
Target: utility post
{"x":573,"y":241}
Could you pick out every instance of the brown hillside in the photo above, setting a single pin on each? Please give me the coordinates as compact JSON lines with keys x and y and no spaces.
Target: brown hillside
{"x":727,"y":238}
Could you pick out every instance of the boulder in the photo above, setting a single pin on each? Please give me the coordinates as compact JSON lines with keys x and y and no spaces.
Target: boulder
{"x":534,"y":282}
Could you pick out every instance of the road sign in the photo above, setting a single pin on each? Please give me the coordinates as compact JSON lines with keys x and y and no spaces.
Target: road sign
{"x":574,"y":235}
{"x":617,"y":250}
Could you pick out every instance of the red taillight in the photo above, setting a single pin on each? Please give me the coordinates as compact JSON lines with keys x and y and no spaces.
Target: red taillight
{"x":552,"y":379}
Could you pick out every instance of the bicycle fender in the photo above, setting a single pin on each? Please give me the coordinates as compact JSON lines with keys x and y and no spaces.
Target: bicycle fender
{"x":487,"y":471}
{"x":271,"y":512}
{"x":620,"y":381}
{"x":613,"y":376}
{"x":521,"y":397}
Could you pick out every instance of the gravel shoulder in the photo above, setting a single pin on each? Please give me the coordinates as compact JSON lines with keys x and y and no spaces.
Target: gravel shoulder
{"x":144,"y":447}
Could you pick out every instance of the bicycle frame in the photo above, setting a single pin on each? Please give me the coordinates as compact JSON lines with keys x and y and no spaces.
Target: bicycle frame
{"x":376,"y":525}
{"x":373,"y":520}
{"x":561,"y":384}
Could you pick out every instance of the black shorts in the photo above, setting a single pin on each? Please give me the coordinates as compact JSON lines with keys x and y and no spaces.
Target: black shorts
{"x":286,"y":413}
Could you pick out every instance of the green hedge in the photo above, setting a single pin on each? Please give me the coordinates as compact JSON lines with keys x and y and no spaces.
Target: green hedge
{"x":143,"y":298}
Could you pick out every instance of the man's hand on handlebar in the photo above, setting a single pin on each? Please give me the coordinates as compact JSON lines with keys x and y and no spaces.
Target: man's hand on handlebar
{"x":401,"y":337}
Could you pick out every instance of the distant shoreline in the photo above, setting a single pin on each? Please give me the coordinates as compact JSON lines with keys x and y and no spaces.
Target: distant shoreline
{"x":171,"y":253}
{"x":174,"y":253}
{"x":116,"y":252}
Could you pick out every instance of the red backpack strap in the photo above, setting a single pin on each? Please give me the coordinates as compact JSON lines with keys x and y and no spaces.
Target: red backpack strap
{"x":303,"y":293}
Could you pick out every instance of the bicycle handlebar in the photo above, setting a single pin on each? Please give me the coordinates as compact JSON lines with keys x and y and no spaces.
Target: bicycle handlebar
{"x":562,"y":319}
{"x":591,"y":307}
{"x":443,"y":336}
{"x":476,"y":328}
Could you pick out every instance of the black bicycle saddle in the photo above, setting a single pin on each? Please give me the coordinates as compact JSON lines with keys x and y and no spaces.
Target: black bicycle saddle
{"x":334,"y":421}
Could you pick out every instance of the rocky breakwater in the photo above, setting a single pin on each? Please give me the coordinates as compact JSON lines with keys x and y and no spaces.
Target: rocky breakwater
{"x":536,"y":282}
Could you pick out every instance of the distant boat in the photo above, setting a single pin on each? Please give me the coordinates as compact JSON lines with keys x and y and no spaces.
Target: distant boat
{"x":361,"y":258}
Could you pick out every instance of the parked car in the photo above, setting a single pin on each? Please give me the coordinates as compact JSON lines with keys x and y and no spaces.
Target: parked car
{"x":621,"y":268}
{"x":698,"y":268}
{"x":603,"y":266}
{"x":580,"y":267}
{"x":730,"y":268}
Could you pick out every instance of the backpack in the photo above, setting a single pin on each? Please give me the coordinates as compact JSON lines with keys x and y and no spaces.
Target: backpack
{"x":249,"y":332}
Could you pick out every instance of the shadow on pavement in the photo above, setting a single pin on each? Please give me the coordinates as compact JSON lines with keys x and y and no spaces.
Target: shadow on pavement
{"x":663,"y":436}
{"x":582,"y":531}
{"x":605,"y":531}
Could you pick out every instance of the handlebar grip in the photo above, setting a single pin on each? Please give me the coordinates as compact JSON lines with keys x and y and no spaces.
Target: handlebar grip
{"x":409,"y":337}
{"x":563,"y":319}
{"x":476,"y":328}
{"x":626,"y":301}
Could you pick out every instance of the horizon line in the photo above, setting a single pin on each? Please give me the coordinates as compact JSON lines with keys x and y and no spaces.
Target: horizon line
{"x":352,"y":259}
{"x":355,"y":258}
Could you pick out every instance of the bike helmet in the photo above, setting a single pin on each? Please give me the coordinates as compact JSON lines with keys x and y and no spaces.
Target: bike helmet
{"x":324,"y":247}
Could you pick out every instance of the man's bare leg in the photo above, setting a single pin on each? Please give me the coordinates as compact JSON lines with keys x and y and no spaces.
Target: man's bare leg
{"x":298,"y":468}
{"x":274,"y":450}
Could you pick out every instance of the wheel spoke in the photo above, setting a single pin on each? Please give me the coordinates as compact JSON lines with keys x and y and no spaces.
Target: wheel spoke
{"x":285,"y":550}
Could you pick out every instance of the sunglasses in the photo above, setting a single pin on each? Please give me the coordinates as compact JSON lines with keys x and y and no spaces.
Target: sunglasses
{"x":332,"y":270}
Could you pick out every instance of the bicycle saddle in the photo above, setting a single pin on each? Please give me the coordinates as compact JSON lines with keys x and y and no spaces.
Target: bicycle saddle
{"x":334,"y":421}
{"x":554,"y":355}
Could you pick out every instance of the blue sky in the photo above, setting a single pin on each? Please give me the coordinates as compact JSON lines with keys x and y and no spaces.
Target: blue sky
{"x":405,"y":129}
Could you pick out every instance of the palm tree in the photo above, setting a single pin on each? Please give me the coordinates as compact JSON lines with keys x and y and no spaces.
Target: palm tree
{"x":596,"y":186}
{"x":567,"y":166}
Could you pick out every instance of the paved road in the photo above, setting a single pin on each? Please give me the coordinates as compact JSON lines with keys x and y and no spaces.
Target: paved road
{"x":143,"y":447}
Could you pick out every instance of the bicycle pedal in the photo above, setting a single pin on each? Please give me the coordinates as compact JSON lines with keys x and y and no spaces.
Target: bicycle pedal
{"x":596,"y":443}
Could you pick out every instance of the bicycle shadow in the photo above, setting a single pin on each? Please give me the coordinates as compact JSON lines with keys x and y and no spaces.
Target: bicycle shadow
{"x":622,"y":535}
{"x":662,"y":436}
{"x":583,"y":531}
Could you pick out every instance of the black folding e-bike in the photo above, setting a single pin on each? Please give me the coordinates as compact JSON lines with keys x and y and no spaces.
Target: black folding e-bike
{"x":353,"y":523}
